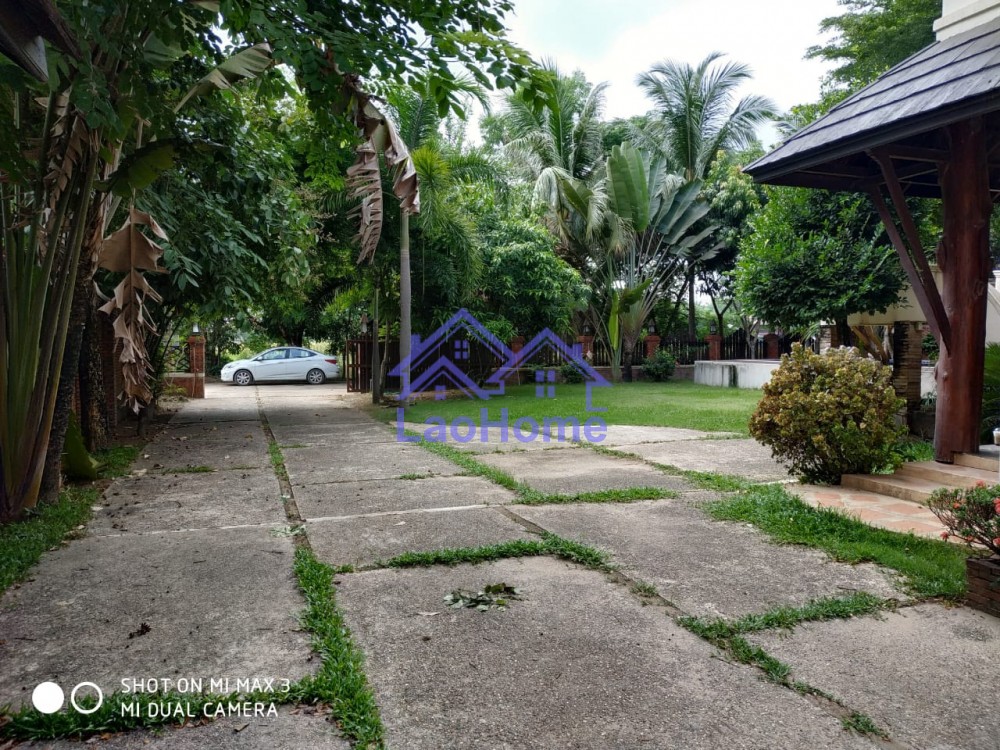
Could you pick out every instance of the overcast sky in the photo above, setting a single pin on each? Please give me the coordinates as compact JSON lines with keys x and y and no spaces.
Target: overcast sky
{"x":614,"y":40}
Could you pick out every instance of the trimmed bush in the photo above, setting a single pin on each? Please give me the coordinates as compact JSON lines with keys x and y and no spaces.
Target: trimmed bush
{"x":660,"y":366}
{"x":571,"y":373}
{"x":829,"y":415}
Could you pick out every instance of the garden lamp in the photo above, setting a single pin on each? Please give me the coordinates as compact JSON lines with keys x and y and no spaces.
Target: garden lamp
{"x":713,"y":329}
{"x":364,"y":322}
{"x":652,"y":326}
{"x":196,"y":329}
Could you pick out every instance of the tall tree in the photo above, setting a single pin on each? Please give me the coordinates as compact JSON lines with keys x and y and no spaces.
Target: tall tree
{"x":696,"y":115}
{"x":872,"y":36}
{"x":81,"y":139}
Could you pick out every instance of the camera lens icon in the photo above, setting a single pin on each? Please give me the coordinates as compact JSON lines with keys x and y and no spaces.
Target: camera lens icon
{"x":48,"y":698}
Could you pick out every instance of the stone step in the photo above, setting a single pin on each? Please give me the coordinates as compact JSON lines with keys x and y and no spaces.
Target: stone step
{"x":982,"y":460}
{"x":905,"y":488}
{"x":952,"y":475}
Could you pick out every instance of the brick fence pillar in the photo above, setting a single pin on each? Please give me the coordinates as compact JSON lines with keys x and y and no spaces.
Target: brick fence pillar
{"x":652,"y":343}
{"x":196,"y":363}
{"x":772,"y":346}
{"x":714,"y":346}
{"x":907,"y":350}
{"x":517,"y":344}
{"x":586,"y":346}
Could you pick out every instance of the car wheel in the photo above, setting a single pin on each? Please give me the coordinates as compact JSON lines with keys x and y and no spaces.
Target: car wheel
{"x":243,"y":377}
{"x":316,"y":377}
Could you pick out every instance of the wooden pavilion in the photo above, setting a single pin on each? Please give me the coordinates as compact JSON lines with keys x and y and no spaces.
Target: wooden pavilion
{"x":929,"y":127}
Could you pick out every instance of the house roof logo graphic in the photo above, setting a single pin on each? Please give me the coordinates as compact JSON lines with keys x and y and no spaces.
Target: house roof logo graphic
{"x":449,"y":351}
{"x":571,"y":355}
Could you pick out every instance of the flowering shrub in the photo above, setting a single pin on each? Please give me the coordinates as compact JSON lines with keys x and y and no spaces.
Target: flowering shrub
{"x":972,"y":515}
{"x":660,"y":366}
{"x":828,"y":415}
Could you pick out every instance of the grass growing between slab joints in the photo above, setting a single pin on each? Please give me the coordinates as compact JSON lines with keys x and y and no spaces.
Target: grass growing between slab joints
{"x":703,"y":480}
{"x":929,"y":568}
{"x":629,"y":495}
{"x":117,"y":461}
{"x":528,"y":496}
{"x":727,"y":636}
{"x":340,"y":684}
{"x":277,"y":460}
{"x":22,"y":543}
{"x":549,"y":544}
{"x":475,"y":468}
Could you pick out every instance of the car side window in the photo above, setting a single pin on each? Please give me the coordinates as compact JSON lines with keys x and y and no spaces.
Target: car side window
{"x":276,"y":354}
{"x":301,"y":353}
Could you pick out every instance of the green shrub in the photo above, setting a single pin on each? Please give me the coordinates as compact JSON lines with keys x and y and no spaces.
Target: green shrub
{"x":991,"y":393}
{"x":828,"y":415}
{"x":571,"y":373}
{"x":660,"y":366}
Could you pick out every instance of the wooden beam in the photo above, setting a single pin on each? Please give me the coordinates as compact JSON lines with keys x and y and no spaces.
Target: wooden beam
{"x":916,"y":153}
{"x":911,"y":253}
{"x":964,"y":258}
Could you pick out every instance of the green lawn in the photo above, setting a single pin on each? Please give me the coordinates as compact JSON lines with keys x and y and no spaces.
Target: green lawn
{"x":671,"y":404}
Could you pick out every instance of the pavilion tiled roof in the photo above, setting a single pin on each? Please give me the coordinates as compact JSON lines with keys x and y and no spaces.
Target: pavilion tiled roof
{"x":948,"y":81}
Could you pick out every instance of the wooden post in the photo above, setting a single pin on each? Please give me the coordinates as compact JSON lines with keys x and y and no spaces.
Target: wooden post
{"x":964,"y":259}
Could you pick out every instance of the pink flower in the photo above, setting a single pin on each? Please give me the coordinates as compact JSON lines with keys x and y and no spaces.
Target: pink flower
{"x":996,"y":542}
{"x":980,"y":483}
{"x":996,"y":504}
{"x":945,"y":535}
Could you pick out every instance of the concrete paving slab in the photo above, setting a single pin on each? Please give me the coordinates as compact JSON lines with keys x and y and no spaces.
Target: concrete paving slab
{"x":924,"y":673}
{"x":291,"y":729}
{"x":362,"y":541}
{"x":321,"y":464}
{"x":618,"y":434}
{"x":242,"y":413}
{"x":191,"y":501}
{"x":314,"y":413}
{"x":395,"y":495}
{"x":583,"y":470}
{"x":209,"y":431}
{"x":577,"y":664}
{"x":246,"y":451}
{"x":494,"y":442}
{"x":706,"y":567}
{"x":333,"y":434}
{"x":217,"y":604}
{"x":744,"y":458}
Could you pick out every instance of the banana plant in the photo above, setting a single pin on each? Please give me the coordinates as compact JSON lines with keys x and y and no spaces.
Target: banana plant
{"x":666,"y":216}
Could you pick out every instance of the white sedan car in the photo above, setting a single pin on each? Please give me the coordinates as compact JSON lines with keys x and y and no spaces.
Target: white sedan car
{"x":282,"y":363}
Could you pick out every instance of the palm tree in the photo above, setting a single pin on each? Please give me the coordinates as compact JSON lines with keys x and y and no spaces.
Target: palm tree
{"x":440,"y":169}
{"x":559,"y":146}
{"x":697,"y":115}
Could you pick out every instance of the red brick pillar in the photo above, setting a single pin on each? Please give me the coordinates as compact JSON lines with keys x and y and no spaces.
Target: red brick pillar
{"x":652,"y":344}
{"x":772,"y":348}
{"x":196,"y":363}
{"x":714,"y":346}
{"x":586,"y":346}
{"x":517,"y":344}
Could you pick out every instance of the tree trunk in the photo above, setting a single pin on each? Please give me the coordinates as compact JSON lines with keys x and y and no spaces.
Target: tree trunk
{"x":82,"y":299}
{"x":405,"y":319}
{"x":376,"y":357}
{"x":964,"y":259}
{"x":94,"y":418}
{"x":692,"y":322}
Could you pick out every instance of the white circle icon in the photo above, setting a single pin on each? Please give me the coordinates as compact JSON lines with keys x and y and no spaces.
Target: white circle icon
{"x":47,"y":697}
{"x":73,"y":703}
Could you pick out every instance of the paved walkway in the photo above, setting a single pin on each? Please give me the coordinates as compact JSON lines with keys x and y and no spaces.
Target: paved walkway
{"x":877,"y":510}
{"x":188,"y":573}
